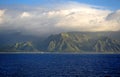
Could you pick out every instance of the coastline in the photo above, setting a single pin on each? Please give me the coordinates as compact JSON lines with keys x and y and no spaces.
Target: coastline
{"x":59,"y":52}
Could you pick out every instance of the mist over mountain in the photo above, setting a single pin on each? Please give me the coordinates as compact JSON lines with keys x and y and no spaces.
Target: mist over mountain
{"x":58,"y":17}
{"x":63,"y":42}
{"x":60,"y":26}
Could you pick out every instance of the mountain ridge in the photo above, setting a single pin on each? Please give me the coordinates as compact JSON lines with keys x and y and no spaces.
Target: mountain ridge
{"x":72,"y":42}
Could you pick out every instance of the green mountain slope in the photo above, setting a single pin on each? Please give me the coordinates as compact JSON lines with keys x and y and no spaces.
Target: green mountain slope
{"x":107,"y":45}
{"x":81,"y":42}
{"x":70,"y":42}
{"x":22,"y":46}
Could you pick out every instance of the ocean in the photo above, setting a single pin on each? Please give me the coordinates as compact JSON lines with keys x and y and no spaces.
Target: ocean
{"x":59,"y":65}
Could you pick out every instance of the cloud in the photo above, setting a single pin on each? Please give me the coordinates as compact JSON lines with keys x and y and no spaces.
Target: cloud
{"x":114,"y":17}
{"x":83,"y":19}
{"x":1,"y":15}
{"x":71,"y":16}
{"x":25,"y":14}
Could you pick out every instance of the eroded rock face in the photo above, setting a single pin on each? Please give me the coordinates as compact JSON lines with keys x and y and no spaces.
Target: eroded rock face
{"x":71,"y":42}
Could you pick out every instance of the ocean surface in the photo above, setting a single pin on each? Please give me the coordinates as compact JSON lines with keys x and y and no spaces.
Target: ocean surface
{"x":59,"y":65}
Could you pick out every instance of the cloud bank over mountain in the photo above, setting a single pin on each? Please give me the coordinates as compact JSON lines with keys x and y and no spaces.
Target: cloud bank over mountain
{"x":71,"y":16}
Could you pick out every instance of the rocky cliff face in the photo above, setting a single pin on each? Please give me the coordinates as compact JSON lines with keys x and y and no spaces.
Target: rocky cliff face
{"x":72,"y":42}
{"x":78,"y":42}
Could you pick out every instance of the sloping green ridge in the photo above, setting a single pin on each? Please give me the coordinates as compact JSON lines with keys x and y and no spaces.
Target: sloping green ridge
{"x":71,"y":42}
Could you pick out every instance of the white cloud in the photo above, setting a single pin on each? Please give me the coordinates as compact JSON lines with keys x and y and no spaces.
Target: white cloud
{"x":25,"y":14}
{"x":81,"y":19}
{"x":64,"y":17}
{"x":1,"y":15}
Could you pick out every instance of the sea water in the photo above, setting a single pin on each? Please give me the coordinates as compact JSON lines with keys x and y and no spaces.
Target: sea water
{"x":59,"y":65}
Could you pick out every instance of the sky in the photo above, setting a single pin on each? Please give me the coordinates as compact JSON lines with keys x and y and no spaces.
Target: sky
{"x":53,"y":16}
{"x":111,"y":4}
